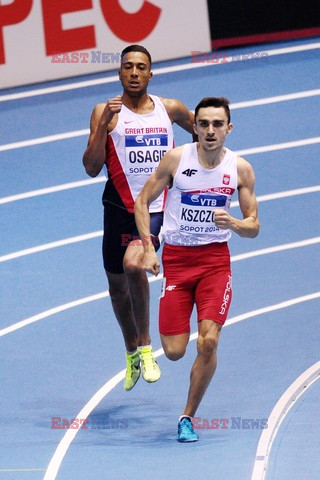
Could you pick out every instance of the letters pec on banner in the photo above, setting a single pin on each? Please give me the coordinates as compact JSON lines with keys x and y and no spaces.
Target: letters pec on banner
{"x":50,"y":39}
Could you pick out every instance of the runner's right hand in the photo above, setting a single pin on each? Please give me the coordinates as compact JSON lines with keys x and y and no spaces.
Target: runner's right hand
{"x":112,"y":107}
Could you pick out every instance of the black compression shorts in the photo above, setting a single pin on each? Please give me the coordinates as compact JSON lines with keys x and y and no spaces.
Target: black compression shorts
{"x":119,"y":230}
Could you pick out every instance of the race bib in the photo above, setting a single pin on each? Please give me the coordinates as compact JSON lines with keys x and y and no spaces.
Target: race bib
{"x":197,"y":212}
{"x":144,"y":152}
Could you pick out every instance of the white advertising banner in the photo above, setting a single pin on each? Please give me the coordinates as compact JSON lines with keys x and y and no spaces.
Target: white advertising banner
{"x":44,"y":40}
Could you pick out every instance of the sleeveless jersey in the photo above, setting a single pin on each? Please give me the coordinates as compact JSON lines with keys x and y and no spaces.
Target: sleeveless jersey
{"x":133,"y":152}
{"x":195,"y":195}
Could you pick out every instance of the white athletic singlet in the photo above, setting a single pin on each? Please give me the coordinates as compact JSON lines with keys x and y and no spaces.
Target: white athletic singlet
{"x":134,"y":149}
{"x":194,"y":196}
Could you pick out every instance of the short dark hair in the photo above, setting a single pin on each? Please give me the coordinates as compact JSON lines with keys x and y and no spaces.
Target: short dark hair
{"x":214,"y":102}
{"x":136,"y":48}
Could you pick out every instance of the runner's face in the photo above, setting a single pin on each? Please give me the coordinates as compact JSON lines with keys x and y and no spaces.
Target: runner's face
{"x":212,"y":127}
{"x":135,"y":73}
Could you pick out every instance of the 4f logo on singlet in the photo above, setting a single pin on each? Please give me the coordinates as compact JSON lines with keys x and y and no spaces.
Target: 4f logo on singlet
{"x":189,"y":172}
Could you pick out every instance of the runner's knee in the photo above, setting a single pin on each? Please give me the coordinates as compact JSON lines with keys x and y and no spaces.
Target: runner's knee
{"x":173,"y":353}
{"x":131,"y":266}
{"x":207,"y":345}
{"x":118,"y":288}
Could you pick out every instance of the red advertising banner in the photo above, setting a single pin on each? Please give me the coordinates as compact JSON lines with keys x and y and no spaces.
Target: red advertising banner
{"x":44,"y":40}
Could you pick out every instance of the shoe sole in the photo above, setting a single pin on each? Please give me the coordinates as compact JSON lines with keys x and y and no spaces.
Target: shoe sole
{"x":128,"y":389}
{"x":188,"y":441}
{"x":150,"y":381}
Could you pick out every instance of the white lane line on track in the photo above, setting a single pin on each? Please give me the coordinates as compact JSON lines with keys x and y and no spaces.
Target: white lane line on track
{"x":49,"y":138}
{"x":100,"y":179}
{"x":284,"y":194}
{"x":69,"y":436}
{"x":89,"y":236}
{"x":48,"y":246}
{"x":278,"y":414}
{"x":279,"y":146}
{"x":288,"y":193}
{"x":279,"y":248}
{"x":276,"y":99}
{"x":99,"y":296}
{"x":79,"y":133}
{"x":156,"y":71}
{"x":52,"y":311}
{"x":54,"y":189}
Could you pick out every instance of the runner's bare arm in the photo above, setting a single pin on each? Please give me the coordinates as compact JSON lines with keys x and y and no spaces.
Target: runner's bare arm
{"x":249,"y":225}
{"x":102,"y":120}
{"x":179,"y":114}
{"x":155,"y":185}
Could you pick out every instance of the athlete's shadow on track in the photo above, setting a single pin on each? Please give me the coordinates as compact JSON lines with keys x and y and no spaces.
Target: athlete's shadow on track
{"x":133,"y":425}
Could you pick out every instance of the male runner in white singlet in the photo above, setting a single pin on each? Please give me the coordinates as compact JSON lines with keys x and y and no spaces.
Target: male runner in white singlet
{"x":202,"y":178}
{"x":128,"y":136}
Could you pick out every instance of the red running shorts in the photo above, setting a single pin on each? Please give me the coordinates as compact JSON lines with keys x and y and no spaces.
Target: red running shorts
{"x":197,"y":275}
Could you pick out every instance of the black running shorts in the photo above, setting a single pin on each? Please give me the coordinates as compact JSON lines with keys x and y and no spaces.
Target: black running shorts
{"x":119,"y":230}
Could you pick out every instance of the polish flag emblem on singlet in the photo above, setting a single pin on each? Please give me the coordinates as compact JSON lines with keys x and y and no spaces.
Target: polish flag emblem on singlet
{"x":226,"y":179}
